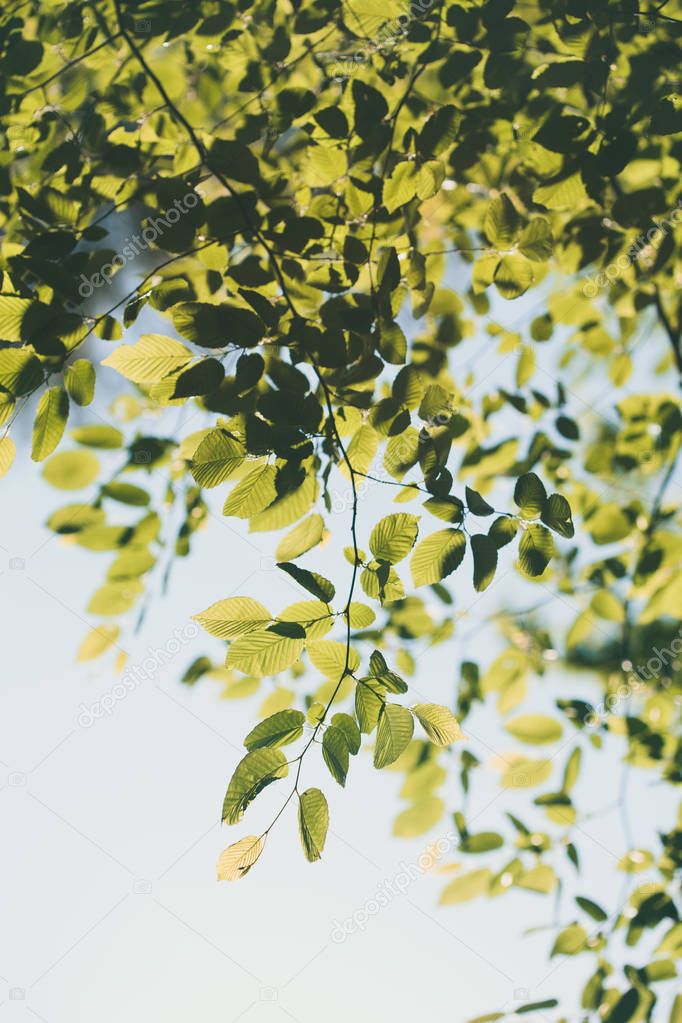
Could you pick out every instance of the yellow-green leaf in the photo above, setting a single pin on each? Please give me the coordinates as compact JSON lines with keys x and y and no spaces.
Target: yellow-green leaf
{"x":150,"y":359}
{"x":237,"y":860}
{"x":7,"y":452}
{"x":329,"y":657}
{"x":253,"y":493}
{"x":439,"y":723}
{"x":71,"y":470}
{"x":79,"y":379}
{"x":252,"y":774}
{"x":302,"y":537}
{"x":468,"y":886}
{"x":277,"y":730}
{"x":98,"y":641}
{"x":216,"y":458}
{"x":264,"y":653}
{"x":534,"y":729}
{"x":313,"y":822}
{"x":394,"y":732}
{"x":437,"y":555}
{"x":50,"y":421}
{"x":393,"y":537}
{"x":234,"y":616}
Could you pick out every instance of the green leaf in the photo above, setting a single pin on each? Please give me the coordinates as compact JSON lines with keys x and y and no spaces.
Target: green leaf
{"x":7,"y":452}
{"x":548,"y":1003}
{"x":264,"y":653}
{"x":439,"y":723}
{"x":592,"y":909}
{"x":524,"y":773}
{"x":393,"y":537}
{"x":450,"y":509}
{"x":401,"y":186}
{"x":150,"y":359}
{"x":315,"y":617}
{"x":534,"y":729}
{"x":556,"y":514}
{"x":571,"y":941}
{"x":369,"y":701}
{"x":476,"y":504}
{"x":126,"y":493}
{"x":313,"y":822}
{"x":71,"y":470}
{"x":97,"y":642}
{"x":50,"y":421}
{"x":535,"y":550}
{"x":440,"y":130}
{"x":216,"y":459}
{"x":572,"y":770}
{"x":566,"y":193}
{"x":503,"y":531}
{"x":302,"y":538}
{"x":419,"y":818}
{"x":132,"y":562}
{"x":380,"y":671}
{"x":115,"y":598}
{"x":253,"y":493}
{"x":377,"y":663}
{"x":483,"y":842}
{"x":75,"y":517}
{"x":351,"y":731}
{"x":79,"y":380}
{"x":219,"y":325}
{"x":201,"y":377}
{"x":277,"y":730}
{"x":20,"y":371}
{"x":107,"y":437}
{"x":540,"y":878}
{"x":502,"y":222}
{"x":484,"y":551}
{"x":7,"y":405}
{"x":394,"y":732}
{"x":234,"y":616}
{"x":513,"y":276}
{"x":15,"y":312}
{"x":466,"y":887}
{"x":252,"y":774}
{"x":608,"y":524}
{"x":316,"y":584}
{"x":236,"y":861}
{"x":361,"y":451}
{"x":530,"y":495}
{"x":335,"y":753}
{"x":536,"y":242}
{"x":361,"y":616}
{"x":329,"y":657}
{"x":437,"y":556}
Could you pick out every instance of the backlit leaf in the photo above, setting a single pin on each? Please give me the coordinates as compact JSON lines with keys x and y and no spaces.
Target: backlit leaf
{"x":313,"y":822}
{"x":237,"y":860}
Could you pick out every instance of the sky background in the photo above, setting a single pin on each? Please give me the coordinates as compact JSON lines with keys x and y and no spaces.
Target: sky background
{"x":112,"y":830}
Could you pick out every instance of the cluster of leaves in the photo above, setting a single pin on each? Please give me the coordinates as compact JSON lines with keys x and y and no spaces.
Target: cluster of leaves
{"x":334,"y":244}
